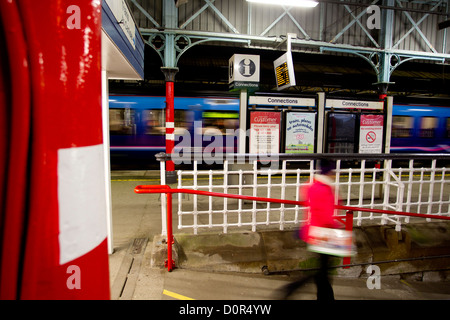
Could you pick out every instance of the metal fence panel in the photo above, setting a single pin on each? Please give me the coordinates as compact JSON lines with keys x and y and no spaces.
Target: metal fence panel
{"x":416,"y":185}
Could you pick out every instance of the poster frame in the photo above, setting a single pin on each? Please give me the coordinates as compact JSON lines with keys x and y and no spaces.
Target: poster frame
{"x":355,"y":133}
{"x":383,"y":130}
{"x":249,"y":123}
{"x":284,"y":127}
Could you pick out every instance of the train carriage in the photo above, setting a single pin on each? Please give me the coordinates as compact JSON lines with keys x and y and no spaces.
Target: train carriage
{"x":420,"y":129}
{"x":137,"y":127}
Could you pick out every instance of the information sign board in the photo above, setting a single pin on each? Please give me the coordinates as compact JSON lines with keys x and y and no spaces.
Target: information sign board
{"x":264,"y":132}
{"x":371,"y":133}
{"x":284,"y":71}
{"x":282,"y":101}
{"x":243,"y":68}
{"x":352,"y":104}
{"x":124,"y":18}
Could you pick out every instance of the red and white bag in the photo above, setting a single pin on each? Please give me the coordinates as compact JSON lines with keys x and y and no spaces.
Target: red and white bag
{"x":336,"y":242}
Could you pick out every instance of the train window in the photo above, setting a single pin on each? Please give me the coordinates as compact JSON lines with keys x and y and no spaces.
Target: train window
{"x":220,"y":121}
{"x":428,"y":127}
{"x":122,"y":121}
{"x":402,"y":126}
{"x":154,"y":122}
{"x":448,"y":128}
{"x":183,"y":120}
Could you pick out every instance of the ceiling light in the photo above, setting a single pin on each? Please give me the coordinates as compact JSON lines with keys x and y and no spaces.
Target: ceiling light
{"x":293,"y":3}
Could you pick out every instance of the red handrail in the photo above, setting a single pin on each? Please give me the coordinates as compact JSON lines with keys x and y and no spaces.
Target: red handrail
{"x":398,"y":213}
{"x":141,"y":189}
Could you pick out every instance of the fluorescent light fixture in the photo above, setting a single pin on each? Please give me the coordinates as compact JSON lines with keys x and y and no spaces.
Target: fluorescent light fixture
{"x":293,"y":3}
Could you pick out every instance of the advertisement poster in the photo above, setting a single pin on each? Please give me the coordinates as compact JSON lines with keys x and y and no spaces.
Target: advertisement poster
{"x":265,"y":132}
{"x":300,"y":130}
{"x":371,"y":133}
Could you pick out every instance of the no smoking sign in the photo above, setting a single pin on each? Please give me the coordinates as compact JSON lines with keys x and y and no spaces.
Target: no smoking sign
{"x":371,"y":137}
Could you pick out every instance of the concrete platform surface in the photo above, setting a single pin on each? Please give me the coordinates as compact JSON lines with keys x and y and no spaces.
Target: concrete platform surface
{"x":228,"y":266}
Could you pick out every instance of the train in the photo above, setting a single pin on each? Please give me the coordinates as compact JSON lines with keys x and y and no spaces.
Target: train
{"x":420,"y":129}
{"x":137,"y":127}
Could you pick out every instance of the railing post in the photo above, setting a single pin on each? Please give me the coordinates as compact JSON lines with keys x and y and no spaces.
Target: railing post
{"x":169,"y":262}
{"x":163,"y":201}
{"x":348,"y":227}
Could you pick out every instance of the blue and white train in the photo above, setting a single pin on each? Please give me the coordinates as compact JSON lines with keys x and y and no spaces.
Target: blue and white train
{"x":420,"y":129}
{"x":137,"y":125}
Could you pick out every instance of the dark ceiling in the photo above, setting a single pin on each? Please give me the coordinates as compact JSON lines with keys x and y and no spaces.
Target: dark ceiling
{"x":203,"y":70}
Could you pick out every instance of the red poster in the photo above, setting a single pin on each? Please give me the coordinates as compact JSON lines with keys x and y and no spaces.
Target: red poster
{"x":265,"y":132}
{"x":371,"y":133}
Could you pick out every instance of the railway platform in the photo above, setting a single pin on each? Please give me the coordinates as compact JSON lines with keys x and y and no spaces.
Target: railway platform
{"x":218,"y":266}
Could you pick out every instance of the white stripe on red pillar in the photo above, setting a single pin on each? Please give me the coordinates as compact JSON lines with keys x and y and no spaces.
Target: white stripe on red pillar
{"x":81,"y":201}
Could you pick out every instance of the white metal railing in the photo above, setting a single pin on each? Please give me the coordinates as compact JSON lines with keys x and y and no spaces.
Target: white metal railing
{"x":359,"y":182}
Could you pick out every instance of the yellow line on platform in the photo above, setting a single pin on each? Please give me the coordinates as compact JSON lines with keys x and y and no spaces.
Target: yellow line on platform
{"x":135,"y":180}
{"x":176,"y":295}
{"x":405,"y":282}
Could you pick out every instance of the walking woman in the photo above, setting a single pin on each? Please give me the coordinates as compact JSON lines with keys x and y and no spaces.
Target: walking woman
{"x":320,"y":197}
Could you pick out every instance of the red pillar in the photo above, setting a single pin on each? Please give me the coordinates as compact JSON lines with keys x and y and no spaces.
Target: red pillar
{"x":62,"y":245}
{"x":170,"y":123}
{"x":15,"y":120}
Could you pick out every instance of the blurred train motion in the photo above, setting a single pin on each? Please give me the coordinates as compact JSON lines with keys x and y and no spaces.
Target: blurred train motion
{"x":420,"y":129}
{"x":137,"y":126}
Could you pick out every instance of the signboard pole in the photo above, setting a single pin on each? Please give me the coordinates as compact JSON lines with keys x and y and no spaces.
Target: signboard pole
{"x":242,"y":121}
{"x":389,"y":104}
{"x":320,"y":121}
{"x":387,"y":143}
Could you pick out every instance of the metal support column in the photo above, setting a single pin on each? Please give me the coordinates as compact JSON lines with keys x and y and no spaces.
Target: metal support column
{"x":170,"y":20}
{"x":169,"y":74}
{"x":384,"y":65}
